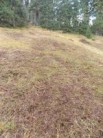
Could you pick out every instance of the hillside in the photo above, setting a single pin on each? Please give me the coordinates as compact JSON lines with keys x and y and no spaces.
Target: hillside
{"x":51,"y":84}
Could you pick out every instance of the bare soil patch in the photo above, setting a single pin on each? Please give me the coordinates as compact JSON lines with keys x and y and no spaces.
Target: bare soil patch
{"x":85,"y":41}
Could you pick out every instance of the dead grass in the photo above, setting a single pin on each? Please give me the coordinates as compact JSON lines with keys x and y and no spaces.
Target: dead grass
{"x":51,"y":85}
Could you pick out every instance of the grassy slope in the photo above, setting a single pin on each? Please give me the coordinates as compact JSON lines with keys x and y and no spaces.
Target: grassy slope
{"x":51,"y":85}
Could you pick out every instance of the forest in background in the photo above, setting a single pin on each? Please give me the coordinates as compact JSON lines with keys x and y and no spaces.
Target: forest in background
{"x":77,"y":16}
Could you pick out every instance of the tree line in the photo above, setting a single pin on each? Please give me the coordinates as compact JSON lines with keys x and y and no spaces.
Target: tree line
{"x":80,"y":16}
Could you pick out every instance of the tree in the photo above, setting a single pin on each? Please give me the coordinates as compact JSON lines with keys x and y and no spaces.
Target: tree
{"x":66,"y":15}
{"x":97,"y":27}
{"x":12,"y":13}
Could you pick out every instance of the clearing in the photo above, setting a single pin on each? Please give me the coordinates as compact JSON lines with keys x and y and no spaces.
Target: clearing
{"x":51,"y":84}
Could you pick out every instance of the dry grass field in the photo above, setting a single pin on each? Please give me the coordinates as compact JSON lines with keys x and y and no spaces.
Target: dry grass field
{"x":51,"y":84}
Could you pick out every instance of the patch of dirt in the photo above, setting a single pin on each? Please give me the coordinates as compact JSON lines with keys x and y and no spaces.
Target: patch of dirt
{"x":2,"y":53}
{"x":48,"y":44}
{"x":98,"y":46}
{"x":14,"y":35}
{"x":85,"y":41}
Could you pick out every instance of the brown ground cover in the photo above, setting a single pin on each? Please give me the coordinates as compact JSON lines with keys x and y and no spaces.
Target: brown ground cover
{"x":50,"y":86}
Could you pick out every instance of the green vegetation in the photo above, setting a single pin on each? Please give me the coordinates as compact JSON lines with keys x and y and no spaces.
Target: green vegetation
{"x":67,"y":15}
{"x":12,"y":13}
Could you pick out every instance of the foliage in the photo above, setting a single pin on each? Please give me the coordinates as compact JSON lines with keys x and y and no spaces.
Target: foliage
{"x":66,"y":15}
{"x":12,"y":13}
{"x":97,"y":27}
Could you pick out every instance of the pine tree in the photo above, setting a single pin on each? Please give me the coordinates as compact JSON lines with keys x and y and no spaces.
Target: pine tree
{"x":12,"y":13}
